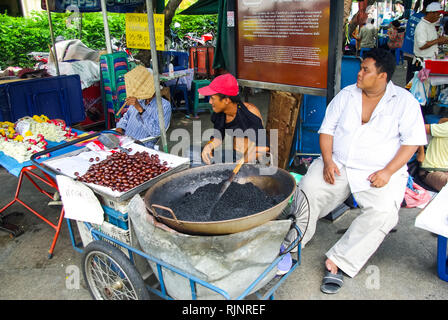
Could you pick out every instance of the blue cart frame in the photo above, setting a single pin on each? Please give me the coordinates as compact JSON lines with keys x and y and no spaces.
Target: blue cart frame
{"x":194,"y":281}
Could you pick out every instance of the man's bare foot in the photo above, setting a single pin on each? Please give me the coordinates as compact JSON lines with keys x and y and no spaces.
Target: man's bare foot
{"x":331,"y":266}
{"x":333,"y":280}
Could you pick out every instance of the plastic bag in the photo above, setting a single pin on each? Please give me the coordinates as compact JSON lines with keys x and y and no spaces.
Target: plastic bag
{"x":88,"y":71}
{"x":443,"y":97}
{"x":416,"y":196}
{"x":423,"y":74}
{"x":418,"y":89}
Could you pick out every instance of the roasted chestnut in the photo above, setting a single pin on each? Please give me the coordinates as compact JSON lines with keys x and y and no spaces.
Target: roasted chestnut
{"x":123,"y":172}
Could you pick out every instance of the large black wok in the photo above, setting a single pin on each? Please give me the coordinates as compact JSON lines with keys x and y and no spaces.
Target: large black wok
{"x":174,"y":187}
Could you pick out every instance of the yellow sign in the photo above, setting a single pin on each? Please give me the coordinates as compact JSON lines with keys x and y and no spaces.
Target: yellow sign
{"x":137,"y":35}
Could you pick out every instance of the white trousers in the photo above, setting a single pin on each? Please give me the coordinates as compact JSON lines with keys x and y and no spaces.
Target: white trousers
{"x":378,"y":214}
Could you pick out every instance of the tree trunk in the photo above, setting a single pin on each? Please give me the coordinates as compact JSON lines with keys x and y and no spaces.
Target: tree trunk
{"x":170,"y":9}
{"x":169,"y":12}
{"x":347,"y":9}
{"x":354,"y":22}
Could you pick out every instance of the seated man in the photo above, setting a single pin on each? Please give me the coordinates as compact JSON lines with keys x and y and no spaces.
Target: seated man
{"x":370,"y":131}
{"x":434,"y":166}
{"x":141,"y":120}
{"x":231,"y":114}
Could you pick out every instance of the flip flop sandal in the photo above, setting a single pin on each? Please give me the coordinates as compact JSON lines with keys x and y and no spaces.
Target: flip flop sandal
{"x":332,"y":283}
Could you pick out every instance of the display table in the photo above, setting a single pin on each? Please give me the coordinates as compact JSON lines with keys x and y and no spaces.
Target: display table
{"x":436,"y":80}
{"x":434,"y":218}
{"x":29,"y":171}
{"x":180,"y":81}
{"x":14,"y":167}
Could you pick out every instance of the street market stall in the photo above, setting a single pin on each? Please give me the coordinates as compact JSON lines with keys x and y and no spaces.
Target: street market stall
{"x":101,"y":189}
{"x":107,"y":215}
{"x":21,"y":140}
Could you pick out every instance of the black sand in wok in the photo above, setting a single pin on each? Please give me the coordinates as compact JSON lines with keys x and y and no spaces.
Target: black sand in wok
{"x":238,"y":201}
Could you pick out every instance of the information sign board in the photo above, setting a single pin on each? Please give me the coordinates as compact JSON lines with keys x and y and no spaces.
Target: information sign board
{"x":137,"y":35}
{"x":284,"y":41}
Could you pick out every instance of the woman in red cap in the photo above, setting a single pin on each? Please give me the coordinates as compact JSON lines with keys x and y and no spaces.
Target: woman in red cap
{"x":230,"y":114}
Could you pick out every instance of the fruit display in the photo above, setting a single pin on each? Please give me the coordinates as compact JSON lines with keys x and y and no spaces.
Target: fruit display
{"x":122,"y":172}
{"x":29,"y":135}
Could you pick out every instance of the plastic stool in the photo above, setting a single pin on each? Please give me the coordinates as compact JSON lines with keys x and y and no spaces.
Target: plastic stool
{"x":197,"y":102}
{"x":432,"y":118}
{"x":442,"y":261}
{"x":398,"y":56}
{"x":182,"y":88}
{"x":361,"y":54}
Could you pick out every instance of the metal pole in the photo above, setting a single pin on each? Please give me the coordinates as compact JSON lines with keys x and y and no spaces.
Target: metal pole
{"x":80,"y":26}
{"x":106,"y":26}
{"x":56,"y":63}
{"x":379,"y":27}
{"x":155,"y":69}
{"x":334,"y":49}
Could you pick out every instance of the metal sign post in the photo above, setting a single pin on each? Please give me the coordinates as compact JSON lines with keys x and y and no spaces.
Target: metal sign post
{"x":56,"y":63}
{"x":334,"y":49}
{"x":106,"y":26}
{"x":155,"y":68}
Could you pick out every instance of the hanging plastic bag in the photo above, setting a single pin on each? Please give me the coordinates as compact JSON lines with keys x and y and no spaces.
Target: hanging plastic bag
{"x":443,"y":97}
{"x":423,"y":74}
{"x":418,"y":89}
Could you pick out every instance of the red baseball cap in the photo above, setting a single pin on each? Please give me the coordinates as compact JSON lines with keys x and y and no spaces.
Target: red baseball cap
{"x":225,"y":84}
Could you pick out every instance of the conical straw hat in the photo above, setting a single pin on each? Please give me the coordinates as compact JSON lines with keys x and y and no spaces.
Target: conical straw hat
{"x":139,"y":83}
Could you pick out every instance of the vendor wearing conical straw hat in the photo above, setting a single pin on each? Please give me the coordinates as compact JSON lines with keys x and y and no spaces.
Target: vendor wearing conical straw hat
{"x":141,"y":119}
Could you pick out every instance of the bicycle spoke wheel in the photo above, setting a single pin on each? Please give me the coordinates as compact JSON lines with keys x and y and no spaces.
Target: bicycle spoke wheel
{"x":303,"y":214}
{"x":110,"y":275}
{"x":300,"y":214}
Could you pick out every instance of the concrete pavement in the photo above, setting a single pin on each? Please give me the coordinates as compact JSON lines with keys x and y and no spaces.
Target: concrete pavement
{"x":404,"y":267}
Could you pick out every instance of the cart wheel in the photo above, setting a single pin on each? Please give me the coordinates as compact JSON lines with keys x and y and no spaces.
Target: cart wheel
{"x":110,"y":275}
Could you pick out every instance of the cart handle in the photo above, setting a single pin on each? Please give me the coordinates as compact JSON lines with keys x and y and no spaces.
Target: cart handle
{"x":64,"y":145}
{"x":163,"y":208}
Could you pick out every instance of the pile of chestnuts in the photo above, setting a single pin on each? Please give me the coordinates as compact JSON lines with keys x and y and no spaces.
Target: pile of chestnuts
{"x":122,"y":172}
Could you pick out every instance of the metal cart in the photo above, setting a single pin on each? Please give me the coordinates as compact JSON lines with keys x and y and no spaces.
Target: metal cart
{"x":108,"y":261}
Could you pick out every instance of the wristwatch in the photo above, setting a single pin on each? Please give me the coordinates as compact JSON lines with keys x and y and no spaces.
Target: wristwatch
{"x":141,"y":112}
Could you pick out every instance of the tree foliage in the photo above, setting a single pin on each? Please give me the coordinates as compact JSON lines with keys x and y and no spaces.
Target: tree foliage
{"x":20,"y":36}
{"x":198,"y":24}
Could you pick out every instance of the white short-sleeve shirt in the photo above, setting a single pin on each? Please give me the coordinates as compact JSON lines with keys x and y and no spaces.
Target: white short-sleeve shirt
{"x":425,"y":31}
{"x":363,"y":149}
